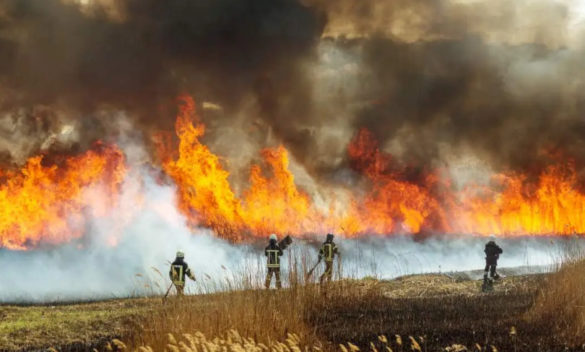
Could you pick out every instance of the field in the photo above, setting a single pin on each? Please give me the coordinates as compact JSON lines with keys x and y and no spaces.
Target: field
{"x":430,"y":312}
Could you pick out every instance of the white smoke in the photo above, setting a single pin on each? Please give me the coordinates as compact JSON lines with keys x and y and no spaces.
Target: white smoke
{"x":128,"y":253}
{"x":99,"y":270}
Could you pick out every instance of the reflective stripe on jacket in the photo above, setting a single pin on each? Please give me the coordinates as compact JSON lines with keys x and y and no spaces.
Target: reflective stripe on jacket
{"x":328,"y":251}
{"x":177,"y":274}
{"x":273,"y":253}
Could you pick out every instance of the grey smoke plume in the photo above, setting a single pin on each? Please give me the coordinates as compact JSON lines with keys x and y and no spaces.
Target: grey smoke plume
{"x":128,"y":253}
{"x":434,"y":80}
{"x":499,"y":82}
{"x":55,"y":54}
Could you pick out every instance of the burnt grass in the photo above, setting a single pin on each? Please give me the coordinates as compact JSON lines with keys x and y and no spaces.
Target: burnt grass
{"x":484,"y":319}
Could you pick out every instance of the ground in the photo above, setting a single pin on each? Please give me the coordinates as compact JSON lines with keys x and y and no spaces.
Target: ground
{"x":439,"y":310}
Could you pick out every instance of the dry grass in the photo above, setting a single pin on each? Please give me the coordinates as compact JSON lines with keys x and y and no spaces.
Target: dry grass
{"x":561,"y":300}
{"x":35,"y":327}
{"x":265,"y":316}
{"x":231,"y":341}
{"x":417,"y":313}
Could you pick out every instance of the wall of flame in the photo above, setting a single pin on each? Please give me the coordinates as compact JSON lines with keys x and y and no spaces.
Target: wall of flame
{"x":48,"y":204}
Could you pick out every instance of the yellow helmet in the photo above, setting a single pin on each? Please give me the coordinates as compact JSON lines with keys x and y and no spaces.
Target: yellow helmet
{"x":180,"y":254}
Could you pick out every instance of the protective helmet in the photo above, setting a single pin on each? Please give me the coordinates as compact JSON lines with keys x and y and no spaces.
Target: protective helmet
{"x":273,"y":237}
{"x":180,"y":254}
{"x":492,"y":237}
{"x":330,"y":237}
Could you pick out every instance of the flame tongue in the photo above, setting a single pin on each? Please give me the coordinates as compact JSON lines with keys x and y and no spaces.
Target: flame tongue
{"x":271,"y":204}
{"x":392,"y":204}
{"x":554,"y":206}
{"x":51,"y":204}
{"x":47,"y":204}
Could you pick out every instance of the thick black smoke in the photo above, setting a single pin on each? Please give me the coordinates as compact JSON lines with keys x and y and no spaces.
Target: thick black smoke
{"x":431,"y":79}
{"x":59,"y":54}
{"x":441,"y":79}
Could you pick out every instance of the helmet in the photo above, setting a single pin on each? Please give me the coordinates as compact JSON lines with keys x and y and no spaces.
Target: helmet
{"x":180,"y":254}
{"x":492,"y":237}
{"x":330,"y":237}
{"x":273,"y":237}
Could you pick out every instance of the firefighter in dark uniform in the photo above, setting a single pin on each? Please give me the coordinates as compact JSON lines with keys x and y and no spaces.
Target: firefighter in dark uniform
{"x":328,"y":252}
{"x":273,"y":254}
{"x":178,"y":271}
{"x":492,"y":254}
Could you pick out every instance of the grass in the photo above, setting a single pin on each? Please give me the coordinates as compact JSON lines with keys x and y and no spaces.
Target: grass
{"x":425,"y":312}
{"x":34,"y":327}
{"x":562,"y":299}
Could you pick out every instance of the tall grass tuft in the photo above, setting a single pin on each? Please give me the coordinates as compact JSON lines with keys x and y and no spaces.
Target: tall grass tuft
{"x":560,"y":302}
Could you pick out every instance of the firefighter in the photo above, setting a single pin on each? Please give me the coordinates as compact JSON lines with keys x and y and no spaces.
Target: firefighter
{"x":492,"y":254}
{"x":273,"y":253}
{"x":178,"y":271}
{"x":328,"y":252}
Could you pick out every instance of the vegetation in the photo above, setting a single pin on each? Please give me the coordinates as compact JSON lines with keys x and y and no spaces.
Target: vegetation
{"x":75,"y":326}
{"x":412,"y":313}
{"x":434,"y":311}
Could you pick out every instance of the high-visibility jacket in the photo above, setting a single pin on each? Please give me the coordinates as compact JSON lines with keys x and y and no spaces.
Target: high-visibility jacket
{"x":178,"y":271}
{"x":273,"y":254}
{"x":328,"y":251}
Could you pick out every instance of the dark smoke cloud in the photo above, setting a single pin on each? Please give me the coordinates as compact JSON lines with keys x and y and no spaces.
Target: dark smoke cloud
{"x":496,"y":78}
{"x":499,"y":79}
{"x":53,"y":53}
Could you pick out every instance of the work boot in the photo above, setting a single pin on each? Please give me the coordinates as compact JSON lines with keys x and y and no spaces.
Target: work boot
{"x":487,"y":285}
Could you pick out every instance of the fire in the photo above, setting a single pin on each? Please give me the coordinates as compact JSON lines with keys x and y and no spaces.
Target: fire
{"x":393,"y":204}
{"x":46,"y":203}
{"x":205,"y":195}
{"x":275,"y":204}
{"x":551,"y":206}
{"x":388,"y":203}
{"x":42,"y":204}
{"x":271,"y":204}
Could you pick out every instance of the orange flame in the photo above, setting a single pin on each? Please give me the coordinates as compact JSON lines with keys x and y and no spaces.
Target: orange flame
{"x":390,"y":204}
{"x":271,"y":204}
{"x":46,"y":203}
{"x":551,"y":206}
{"x":393,"y":205}
{"x":51,"y":204}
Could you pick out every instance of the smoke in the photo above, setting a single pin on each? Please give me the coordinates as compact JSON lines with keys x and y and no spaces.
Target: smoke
{"x":496,"y":85}
{"x":127,"y":253}
{"x":63,"y":55}
{"x":434,"y":80}
{"x":95,"y":268}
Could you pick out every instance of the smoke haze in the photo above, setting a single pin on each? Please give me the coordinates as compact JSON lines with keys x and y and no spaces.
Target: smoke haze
{"x":471,"y":87}
{"x":432,"y":79}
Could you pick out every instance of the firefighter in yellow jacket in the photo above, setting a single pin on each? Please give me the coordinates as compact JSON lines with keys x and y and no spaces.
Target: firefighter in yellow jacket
{"x":273,"y":253}
{"x":179,"y":269}
{"x":328,"y":252}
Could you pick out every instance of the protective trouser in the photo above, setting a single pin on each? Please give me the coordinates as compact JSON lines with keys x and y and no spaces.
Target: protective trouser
{"x":276,"y":273}
{"x":328,"y":273}
{"x":491,"y":269}
{"x":180,"y":289}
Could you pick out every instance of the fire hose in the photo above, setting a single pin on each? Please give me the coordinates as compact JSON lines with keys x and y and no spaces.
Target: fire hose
{"x":310,"y":272}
